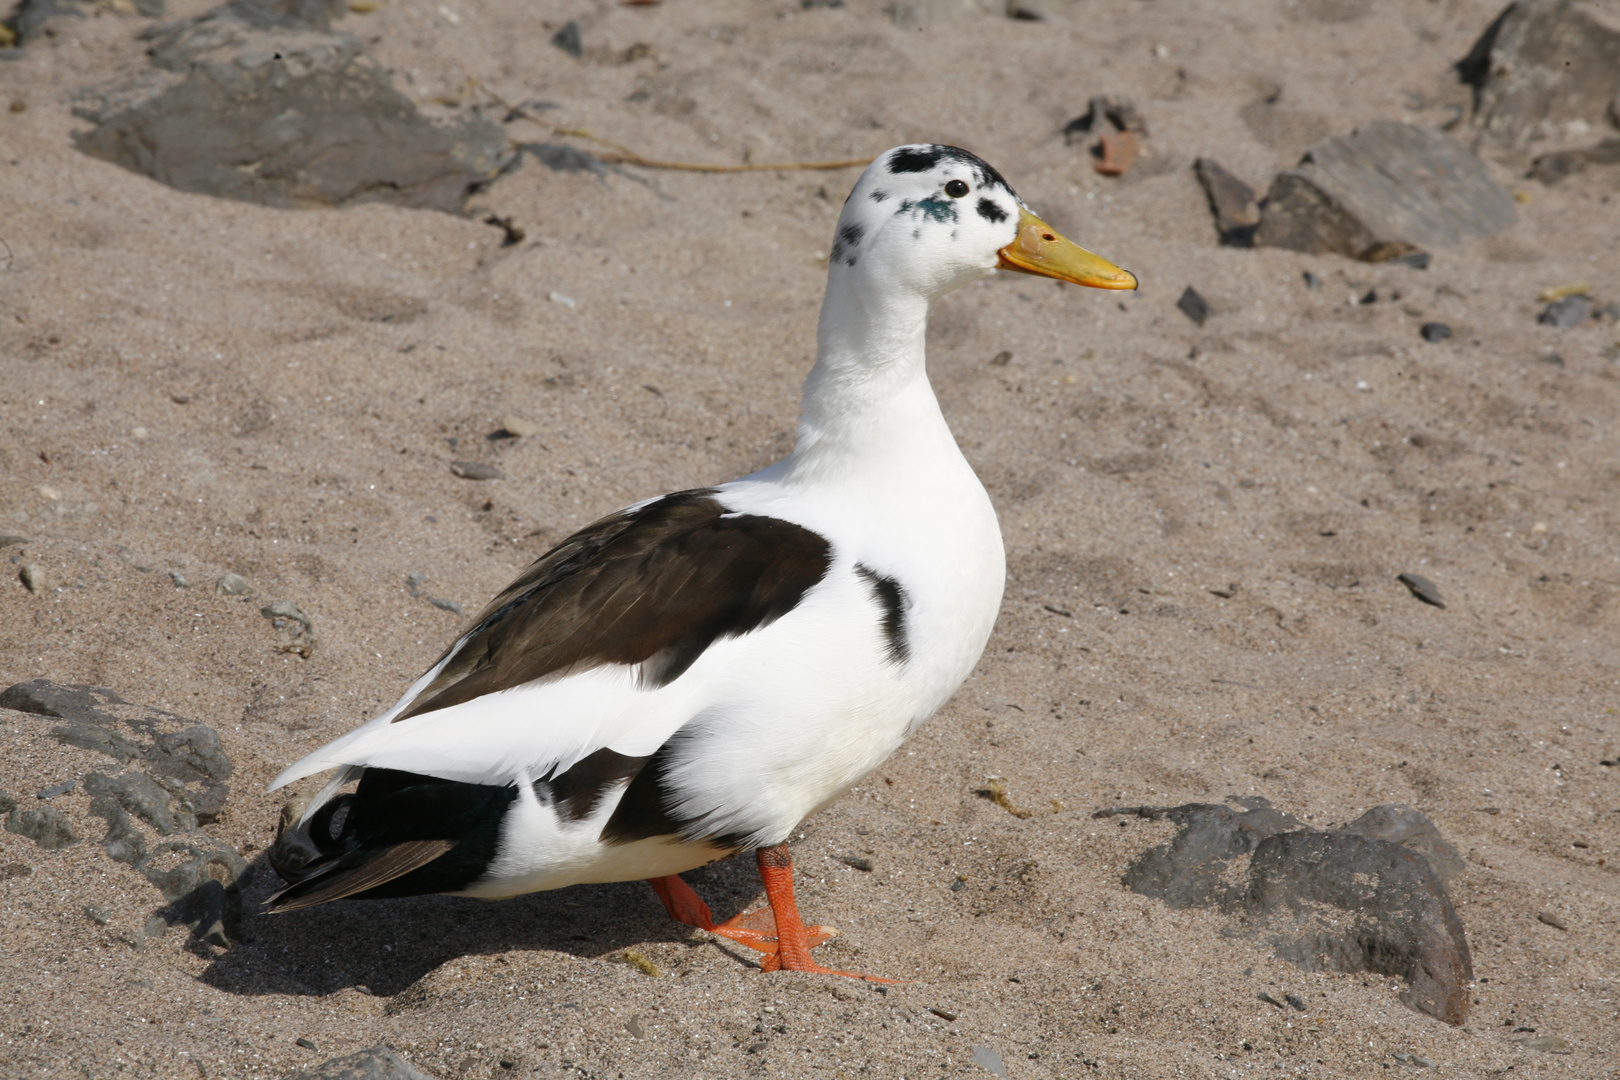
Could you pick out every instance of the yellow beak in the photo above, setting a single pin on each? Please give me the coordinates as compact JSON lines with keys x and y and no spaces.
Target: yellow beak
{"x":1040,"y":250}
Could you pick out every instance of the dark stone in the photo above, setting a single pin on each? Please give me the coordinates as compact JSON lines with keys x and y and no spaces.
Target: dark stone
{"x":567,"y":39}
{"x":1103,"y":113}
{"x":247,"y":104}
{"x":63,"y":788}
{"x":568,"y":159}
{"x":1381,"y":192}
{"x":66,"y":701}
{"x":1295,"y":1000}
{"x":1540,"y":65}
{"x":1324,"y":901}
{"x":1566,"y":314}
{"x":1560,"y":165}
{"x":857,"y":862}
{"x":1236,"y":210}
{"x":1313,"y":282}
{"x":1400,"y":824}
{"x":378,"y":1063}
{"x":140,"y":795}
{"x":1422,"y":588}
{"x":48,"y":827}
{"x":1194,"y":306}
{"x":1434,"y":331}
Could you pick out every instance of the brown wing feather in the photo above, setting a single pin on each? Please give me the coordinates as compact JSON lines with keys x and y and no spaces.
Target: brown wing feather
{"x":385,"y":866}
{"x":656,"y":587}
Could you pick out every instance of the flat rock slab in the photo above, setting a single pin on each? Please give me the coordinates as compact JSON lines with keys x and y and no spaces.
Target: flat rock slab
{"x":1361,"y":898}
{"x":284,"y":116}
{"x":1543,"y":70}
{"x":173,"y":780}
{"x":378,"y":1063}
{"x":1382,"y":191}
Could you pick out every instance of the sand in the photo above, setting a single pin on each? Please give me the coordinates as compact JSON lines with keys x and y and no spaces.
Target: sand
{"x":1217,"y":513}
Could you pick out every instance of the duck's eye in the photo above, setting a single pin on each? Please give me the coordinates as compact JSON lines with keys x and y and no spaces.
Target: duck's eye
{"x":956,"y":189}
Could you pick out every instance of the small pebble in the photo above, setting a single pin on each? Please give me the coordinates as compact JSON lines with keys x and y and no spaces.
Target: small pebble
{"x":1269,"y":1000}
{"x":57,"y":789}
{"x":1551,"y":920}
{"x":633,"y":1026}
{"x":1194,"y":306}
{"x":516,"y":425}
{"x":987,"y":1059}
{"x":1417,"y":260}
{"x":559,"y":298}
{"x":1435,"y":331}
{"x":1295,"y":1000}
{"x":97,"y":915}
{"x":232,"y":585}
{"x":179,"y":579}
{"x":1422,"y":588}
{"x":1547,"y":1044}
{"x":857,"y":862}
{"x":33,"y":578}
{"x":1001,"y":359}
{"x":1566,"y":314}
{"x":567,"y":39}
{"x":476,"y":470}
{"x":1313,"y":282}
{"x":305,"y":1043}
{"x":943,"y":1014}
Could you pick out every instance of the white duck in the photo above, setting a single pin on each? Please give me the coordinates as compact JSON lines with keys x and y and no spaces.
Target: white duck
{"x":694,"y":675}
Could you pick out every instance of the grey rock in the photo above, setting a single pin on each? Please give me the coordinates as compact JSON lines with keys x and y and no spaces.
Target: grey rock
{"x":1236,"y":210}
{"x":62,"y":788}
{"x":124,"y":841}
{"x":378,"y":1063}
{"x":920,"y":14}
{"x":64,"y":701}
{"x":1381,"y":192}
{"x":266,"y":110}
{"x":1324,"y":901}
{"x":180,"y":581}
{"x":7,"y":803}
{"x":1401,"y":824}
{"x":1422,"y":588}
{"x":233,"y":585}
{"x":1433,"y":332}
{"x":476,"y":470}
{"x":990,"y":1061}
{"x":1193,"y":305}
{"x":567,"y":39}
{"x":295,"y":633}
{"x":48,"y":827}
{"x":1104,"y":113}
{"x":1562,"y":164}
{"x":1566,"y":314}
{"x":1540,"y":65}
{"x":32,"y":575}
{"x":138,"y":794}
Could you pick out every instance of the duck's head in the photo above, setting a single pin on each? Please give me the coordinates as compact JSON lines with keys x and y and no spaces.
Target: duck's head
{"x":927,"y":218}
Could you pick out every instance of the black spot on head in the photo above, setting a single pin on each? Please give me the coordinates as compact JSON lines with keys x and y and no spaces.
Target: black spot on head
{"x":878,"y":196}
{"x":920,"y":159}
{"x":991,"y":212}
{"x":912,"y":160}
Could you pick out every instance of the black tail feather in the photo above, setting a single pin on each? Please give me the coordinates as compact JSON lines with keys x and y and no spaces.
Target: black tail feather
{"x":403,"y":834}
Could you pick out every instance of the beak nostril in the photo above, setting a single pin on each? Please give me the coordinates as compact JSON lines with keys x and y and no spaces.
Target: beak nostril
{"x":1048,"y":237}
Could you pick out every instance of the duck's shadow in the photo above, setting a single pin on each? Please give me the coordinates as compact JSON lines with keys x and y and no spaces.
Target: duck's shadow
{"x":383,"y":946}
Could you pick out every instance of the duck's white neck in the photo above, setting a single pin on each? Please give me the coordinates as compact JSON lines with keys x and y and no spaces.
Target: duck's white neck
{"x":867,"y":400}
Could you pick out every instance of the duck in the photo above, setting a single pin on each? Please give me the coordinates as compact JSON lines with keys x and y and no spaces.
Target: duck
{"x":693,"y":676}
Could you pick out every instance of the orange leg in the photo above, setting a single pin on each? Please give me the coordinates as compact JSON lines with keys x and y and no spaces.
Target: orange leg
{"x":788,"y":948}
{"x":754,"y":929}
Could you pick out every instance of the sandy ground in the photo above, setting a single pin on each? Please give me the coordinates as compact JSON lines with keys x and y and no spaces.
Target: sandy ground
{"x":200,"y":386}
